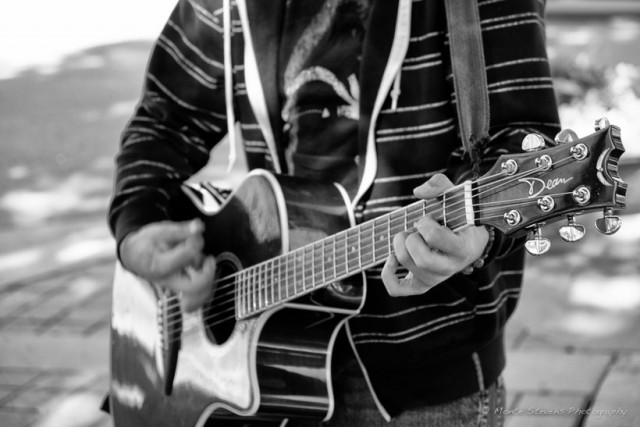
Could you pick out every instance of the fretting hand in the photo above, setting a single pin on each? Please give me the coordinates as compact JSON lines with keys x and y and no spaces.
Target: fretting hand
{"x":169,"y":254}
{"x":433,"y":252}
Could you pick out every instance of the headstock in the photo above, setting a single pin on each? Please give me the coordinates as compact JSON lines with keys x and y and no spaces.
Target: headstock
{"x":524,"y":191}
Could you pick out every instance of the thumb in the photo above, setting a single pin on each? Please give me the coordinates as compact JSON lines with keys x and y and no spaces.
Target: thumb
{"x":435,"y":186}
{"x":173,"y":233}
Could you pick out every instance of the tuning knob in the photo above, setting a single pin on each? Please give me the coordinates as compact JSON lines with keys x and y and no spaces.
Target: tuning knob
{"x":602,"y":123}
{"x":566,"y":136}
{"x":533,"y":142}
{"x":537,"y":245}
{"x":609,"y":223}
{"x":572,"y":232}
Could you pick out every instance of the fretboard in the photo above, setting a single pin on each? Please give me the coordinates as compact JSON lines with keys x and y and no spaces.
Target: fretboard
{"x":352,"y":251}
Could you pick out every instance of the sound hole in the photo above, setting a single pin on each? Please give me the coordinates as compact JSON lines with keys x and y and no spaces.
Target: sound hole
{"x":220,"y":312}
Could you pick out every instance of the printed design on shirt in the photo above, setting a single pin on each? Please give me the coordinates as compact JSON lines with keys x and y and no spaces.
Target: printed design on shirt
{"x":320,"y":81}
{"x":351,"y":96}
{"x":313,"y":58}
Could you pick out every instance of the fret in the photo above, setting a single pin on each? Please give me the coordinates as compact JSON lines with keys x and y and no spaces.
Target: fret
{"x":373,"y":242}
{"x":444,"y":208}
{"x":286,"y":275}
{"x":253,"y":288}
{"x":359,"y":251}
{"x":294,"y":274}
{"x":363,"y":248}
{"x":333,"y":259}
{"x":404,"y":214}
{"x":239,"y":289}
{"x":300,"y":264}
{"x":341,"y":258}
{"x":267,"y":285}
{"x":265,"y":288}
{"x":272,"y":280}
{"x":367,"y":246}
{"x":313,"y":266}
{"x":245,"y":291}
{"x":455,"y":210}
{"x":265,"y":271}
{"x":396,"y":227}
{"x":279,"y":278}
{"x":259,"y":287}
{"x":256,"y":287}
{"x":351,"y":246}
{"x":324,"y":271}
{"x":414,"y":213}
{"x":300,"y":282}
{"x":308,"y":270}
{"x":346,"y":252}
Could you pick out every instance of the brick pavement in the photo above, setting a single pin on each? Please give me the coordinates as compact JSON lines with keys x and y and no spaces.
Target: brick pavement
{"x":54,"y":359}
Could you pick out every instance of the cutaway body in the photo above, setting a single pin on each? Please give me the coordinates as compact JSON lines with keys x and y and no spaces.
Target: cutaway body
{"x":273,"y":364}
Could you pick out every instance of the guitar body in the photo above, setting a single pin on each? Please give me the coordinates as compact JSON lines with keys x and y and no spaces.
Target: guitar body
{"x":269,"y":366}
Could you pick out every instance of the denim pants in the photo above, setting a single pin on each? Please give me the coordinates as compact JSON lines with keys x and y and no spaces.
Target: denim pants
{"x":355,"y":407}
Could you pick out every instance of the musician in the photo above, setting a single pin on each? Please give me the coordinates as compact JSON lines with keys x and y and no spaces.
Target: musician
{"x":365,"y":93}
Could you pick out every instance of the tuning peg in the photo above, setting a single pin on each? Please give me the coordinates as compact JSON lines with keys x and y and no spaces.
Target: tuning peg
{"x":609,"y":223}
{"x":533,"y":142}
{"x":538,"y":245}
{"x":565,"y":136}
{"x":572,"y":232}
{"x":602,"y":123}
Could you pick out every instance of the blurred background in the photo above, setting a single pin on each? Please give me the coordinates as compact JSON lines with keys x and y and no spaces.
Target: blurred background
{"x":70,"y":75}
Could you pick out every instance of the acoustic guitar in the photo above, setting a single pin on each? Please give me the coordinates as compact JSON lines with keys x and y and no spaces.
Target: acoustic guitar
{"x":290,"y":262}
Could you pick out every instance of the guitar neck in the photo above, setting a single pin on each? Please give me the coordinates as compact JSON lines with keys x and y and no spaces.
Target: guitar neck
{"x":352,"y":251}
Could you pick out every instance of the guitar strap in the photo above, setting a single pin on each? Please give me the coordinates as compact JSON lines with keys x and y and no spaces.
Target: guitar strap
{"x":469,"y":76}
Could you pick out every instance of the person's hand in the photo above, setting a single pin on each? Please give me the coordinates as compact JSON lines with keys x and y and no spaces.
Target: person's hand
{"x":169,"y":254}
{"x":432,"y":253}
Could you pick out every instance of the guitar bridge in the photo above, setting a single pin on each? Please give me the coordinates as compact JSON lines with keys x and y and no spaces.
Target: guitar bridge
{"x":169,"y":330}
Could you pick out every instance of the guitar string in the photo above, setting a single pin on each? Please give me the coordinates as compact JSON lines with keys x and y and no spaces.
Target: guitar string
{"x":174,"y":318}
{"x":295,"y":277}
{"x":263,"y":291}
{"x":219,"y":312}
{"x":228,"y":280}
{"x":229,"y":297}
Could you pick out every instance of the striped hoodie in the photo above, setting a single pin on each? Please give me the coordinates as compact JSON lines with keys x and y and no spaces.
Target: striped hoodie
{"x":430,"y":348}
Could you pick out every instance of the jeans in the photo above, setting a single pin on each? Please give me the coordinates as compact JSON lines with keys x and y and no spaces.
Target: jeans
{"x":355,"y":407}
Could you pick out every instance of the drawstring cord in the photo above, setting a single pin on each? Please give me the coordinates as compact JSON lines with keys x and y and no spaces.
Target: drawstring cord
{"x":228,"y":85}
{"x":395,"y":92}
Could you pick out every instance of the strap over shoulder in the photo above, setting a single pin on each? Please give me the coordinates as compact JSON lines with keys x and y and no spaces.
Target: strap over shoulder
{"x":469,"y":74}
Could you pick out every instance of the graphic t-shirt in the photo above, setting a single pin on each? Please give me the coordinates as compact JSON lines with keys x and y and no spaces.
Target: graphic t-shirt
{"x":319,"y":67}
